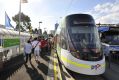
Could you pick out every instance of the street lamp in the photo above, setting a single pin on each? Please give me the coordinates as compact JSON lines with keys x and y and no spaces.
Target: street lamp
{"x":21,"y":1}
{"x":39,"y":31}
{"x":39,"y":24}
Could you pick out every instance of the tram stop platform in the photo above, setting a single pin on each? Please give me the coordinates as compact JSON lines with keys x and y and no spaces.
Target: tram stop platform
{"x":16,"y":69}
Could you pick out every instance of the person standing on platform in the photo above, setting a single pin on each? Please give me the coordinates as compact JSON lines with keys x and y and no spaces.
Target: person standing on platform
{"x":36,"y":44}
{"x":27,"y":51}
{"x":30,"y":39}
{"x":43,"y":46}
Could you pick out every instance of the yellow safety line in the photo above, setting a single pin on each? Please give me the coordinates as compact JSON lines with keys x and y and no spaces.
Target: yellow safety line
{"x":55,"y":73}
{"x":59,"y":71}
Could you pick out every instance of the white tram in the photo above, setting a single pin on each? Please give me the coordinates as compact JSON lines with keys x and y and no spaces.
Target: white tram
{"x":78,"y":45}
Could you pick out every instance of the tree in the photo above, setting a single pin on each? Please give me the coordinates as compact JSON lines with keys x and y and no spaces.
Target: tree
{"x":36,"y":31}
{"x":45,"y":34}
{"x":25,"y":22}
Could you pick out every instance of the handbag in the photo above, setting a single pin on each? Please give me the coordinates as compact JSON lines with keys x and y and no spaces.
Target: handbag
{"x":34,"y":48}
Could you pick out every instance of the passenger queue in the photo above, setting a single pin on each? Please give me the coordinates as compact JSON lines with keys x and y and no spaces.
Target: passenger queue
{"x":39,"y":46}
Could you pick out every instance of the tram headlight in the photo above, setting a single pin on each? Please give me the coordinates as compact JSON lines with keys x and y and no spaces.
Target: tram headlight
{"x":75,"y":53}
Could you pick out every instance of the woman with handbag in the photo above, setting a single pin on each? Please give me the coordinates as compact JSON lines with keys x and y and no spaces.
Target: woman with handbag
{"x":36,"y":45}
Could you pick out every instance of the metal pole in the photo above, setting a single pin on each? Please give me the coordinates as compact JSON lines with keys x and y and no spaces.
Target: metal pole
{"x":19,"y":26}
{"x":109,"y":59}
{"x":39,"y":24}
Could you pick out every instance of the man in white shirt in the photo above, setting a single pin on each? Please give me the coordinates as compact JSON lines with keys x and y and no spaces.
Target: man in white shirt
{"x":36,"y":44}
{"x":27,"y":50}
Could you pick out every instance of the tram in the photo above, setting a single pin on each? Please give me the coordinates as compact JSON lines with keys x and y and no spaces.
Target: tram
{"x":109,"y":36}
{"x":78,"y":45}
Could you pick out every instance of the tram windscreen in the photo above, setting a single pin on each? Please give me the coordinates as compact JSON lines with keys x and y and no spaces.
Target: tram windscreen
{"x":111,"y":38}
{"x":85,"y":39}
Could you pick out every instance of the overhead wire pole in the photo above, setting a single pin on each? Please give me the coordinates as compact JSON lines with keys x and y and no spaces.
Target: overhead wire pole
{"x":21,"y":1}
{"x":39,"y":24}
{"x":40,"y":31}
{"x":19,"y":26}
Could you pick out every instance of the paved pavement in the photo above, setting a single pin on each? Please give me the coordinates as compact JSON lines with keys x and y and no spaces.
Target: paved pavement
{"x":33,"y":70}
{"x":46,"y":69}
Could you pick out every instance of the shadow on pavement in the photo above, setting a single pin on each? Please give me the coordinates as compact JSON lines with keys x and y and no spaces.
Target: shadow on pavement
{"x":44,"y":56}
{"x":43,"y":68}
{"x":33,"y":73}
{"x":11,"y":67}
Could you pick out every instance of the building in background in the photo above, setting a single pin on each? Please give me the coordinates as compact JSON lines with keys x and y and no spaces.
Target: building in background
{"x":56,"y":26}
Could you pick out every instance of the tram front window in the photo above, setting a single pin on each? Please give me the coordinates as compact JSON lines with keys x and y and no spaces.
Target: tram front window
{"x":112,"y":39}
{"x":86,"y":41}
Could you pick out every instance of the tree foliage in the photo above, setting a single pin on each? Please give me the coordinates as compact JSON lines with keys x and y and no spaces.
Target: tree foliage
{"x":45,"y":32}
{"x":25,"y":22}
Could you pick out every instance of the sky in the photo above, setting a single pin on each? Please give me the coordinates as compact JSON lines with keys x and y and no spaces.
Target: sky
{"x":50,"y":12}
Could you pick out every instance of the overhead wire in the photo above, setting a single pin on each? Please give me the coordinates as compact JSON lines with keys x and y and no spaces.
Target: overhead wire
{"x":70,"y":4}
{"x":67,"y":9}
